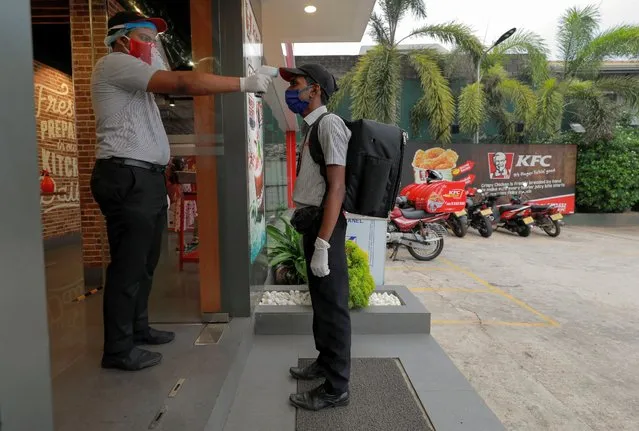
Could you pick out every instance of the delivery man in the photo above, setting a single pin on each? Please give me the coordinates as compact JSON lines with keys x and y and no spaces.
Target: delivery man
{"x":320,"y":219}
{"x":128,"y":177}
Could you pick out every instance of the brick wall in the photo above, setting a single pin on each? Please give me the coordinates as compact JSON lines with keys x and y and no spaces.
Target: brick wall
{"x":87,"y":48}
{"x":57,"y":149}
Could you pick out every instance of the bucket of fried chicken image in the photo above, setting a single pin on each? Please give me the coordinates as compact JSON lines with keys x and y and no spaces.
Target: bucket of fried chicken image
{"x":436,"y":159}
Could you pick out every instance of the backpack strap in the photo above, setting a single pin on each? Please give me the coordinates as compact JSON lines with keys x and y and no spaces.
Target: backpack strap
{"x":317,"y":153}
{"x":298,"y":154}
{"x":315,"y":147}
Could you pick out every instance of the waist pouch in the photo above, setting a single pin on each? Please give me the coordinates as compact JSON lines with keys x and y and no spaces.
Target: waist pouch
{"x":306,"y":219}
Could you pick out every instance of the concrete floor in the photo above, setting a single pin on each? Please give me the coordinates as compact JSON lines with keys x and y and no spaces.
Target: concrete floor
{"x":545,"y":329}
{"x":75,"y":327}
{"x":261,"y":402}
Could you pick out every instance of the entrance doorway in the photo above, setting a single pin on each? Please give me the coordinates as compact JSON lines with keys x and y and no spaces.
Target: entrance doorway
{"x":75,"y":242}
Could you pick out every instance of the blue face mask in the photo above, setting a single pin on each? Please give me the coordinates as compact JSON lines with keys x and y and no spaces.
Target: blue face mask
{"x":295,"y":104}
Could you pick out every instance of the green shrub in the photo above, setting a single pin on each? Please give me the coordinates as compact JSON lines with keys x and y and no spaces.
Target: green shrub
{"x":607,"y":174}
{"x":286,"y":257}
{"x":360,"y":279}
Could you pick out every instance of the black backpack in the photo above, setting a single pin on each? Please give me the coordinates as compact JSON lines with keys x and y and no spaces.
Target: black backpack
{"x":373,"y":165}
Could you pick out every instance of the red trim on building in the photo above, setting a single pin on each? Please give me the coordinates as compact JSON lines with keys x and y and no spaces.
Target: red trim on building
{"x":291,"y":165}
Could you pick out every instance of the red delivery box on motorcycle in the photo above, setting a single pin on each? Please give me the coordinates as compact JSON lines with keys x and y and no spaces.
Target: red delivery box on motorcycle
{"x":437,"y":197}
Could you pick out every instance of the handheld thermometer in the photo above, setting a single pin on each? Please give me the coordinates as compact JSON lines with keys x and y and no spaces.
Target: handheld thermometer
{"x":269,"y":71}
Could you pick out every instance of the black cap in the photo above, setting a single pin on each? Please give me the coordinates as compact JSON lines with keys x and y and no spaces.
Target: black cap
{"x":316,"y":72}
{"x":127,"y":17}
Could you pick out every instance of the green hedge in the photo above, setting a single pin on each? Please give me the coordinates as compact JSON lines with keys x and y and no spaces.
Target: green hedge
{"x":608,"y":174}
{"x":360,"y":280}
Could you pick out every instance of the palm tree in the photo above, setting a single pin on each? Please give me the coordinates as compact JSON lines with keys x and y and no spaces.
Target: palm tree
{"x":510,"y":103}
{"x":574,"y":88}
{"x":375,"y":83}
{"x":584,"y":47}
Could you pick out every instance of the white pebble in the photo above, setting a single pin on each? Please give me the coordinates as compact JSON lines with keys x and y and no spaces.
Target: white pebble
{"x":296,"y":297}
{"x":384,"y":299}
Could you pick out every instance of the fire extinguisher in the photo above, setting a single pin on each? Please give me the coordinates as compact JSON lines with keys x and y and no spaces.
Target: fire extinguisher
{"x":46,"y":183}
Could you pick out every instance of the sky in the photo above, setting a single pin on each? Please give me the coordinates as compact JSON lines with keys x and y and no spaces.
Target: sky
{"x":491,"y":18}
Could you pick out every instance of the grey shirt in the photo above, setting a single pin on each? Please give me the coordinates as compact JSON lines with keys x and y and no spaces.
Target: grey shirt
{"x":128,"y":122}
{"x":333,"y":137}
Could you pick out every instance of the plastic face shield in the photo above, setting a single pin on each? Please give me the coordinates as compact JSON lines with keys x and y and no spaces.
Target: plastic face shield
{"x":156,"y":57}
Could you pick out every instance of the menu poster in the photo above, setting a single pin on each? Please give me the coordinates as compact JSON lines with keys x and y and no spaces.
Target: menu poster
{"x":547,"y":170}
{"x":255,"y":134}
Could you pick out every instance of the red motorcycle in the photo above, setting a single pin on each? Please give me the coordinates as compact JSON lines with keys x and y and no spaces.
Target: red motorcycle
{"x":438,"y":196}
{"x":514,"y":217}
{"x":478,"y":213}
{"x":547,"y":217}
{"x":415,"y":229}
{"x":453,"y":195}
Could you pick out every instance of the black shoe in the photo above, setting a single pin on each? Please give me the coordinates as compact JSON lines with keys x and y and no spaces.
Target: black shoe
{"x":137,"y":359}
{"x":311,"y":372}
{"x":154,"y":337}
{"x":318,"y":399}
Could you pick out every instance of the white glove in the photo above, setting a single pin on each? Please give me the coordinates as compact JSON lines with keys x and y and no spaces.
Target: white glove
{"x":168,"y":200}
{"x":257,"y":83}
{"x":319,"y":261}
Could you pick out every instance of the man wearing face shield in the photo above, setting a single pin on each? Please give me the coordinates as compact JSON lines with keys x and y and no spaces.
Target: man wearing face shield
{"x":128,"y":180}
{"x":319,"y":218}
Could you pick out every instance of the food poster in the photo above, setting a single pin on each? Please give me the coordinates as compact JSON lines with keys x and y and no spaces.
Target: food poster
{"x":255,"y":135}
{"x":548,"y":170}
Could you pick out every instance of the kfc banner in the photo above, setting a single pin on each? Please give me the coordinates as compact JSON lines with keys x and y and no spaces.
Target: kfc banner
{"x":548,"y":170}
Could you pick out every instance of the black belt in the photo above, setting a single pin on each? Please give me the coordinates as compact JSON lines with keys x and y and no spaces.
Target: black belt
{"x":133,"y":162}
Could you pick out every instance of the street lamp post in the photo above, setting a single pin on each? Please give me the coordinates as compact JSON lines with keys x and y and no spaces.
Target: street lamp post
{"x":501,"y":39}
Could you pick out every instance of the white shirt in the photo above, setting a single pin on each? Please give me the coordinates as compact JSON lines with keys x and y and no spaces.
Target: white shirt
{"x":333,"y":136}
{"x":128,"y":122}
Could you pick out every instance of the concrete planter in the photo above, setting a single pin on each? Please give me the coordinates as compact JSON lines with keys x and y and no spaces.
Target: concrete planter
{"x":409,"y":318}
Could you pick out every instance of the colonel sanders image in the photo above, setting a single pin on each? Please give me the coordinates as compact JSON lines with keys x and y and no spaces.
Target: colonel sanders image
{"x":500,"y":169}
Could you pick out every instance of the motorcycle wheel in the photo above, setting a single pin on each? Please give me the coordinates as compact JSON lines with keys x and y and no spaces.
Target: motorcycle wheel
{"x":524,"y":230}
{"x":485,"y":227}
{"x":551,"y":227}
{"x":425,"y":255}
{"x":459,"y":225}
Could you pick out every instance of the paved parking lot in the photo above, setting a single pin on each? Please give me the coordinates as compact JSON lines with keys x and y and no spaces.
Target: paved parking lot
{"x":545,"y":329}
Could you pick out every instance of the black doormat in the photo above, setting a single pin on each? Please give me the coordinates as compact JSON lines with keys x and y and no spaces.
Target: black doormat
{"x":382,"y":399}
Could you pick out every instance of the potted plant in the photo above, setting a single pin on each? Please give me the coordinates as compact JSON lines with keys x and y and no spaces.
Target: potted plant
{"x":286,"y":258}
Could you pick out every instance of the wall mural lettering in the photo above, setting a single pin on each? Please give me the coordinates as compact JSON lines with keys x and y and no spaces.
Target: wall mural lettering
{"x":54,"y":102}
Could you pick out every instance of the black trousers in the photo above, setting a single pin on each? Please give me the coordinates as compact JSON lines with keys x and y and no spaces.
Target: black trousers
{"x":331,"y":316}
{"x":133,"y":201}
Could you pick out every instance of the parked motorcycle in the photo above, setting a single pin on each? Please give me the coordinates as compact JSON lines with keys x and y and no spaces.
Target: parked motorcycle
{"x":458,"y":223}
{"x":546,"y":217}
{"x":440,"y":196}
{"x":417,"y":230}
{"x":514,"y":218}
{"x":478,"y":213}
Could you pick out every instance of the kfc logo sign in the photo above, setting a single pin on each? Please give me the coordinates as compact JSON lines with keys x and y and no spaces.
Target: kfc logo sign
{"x":455,"y":194}
{"x":500,"y":165}
{"x":532,"y":161}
